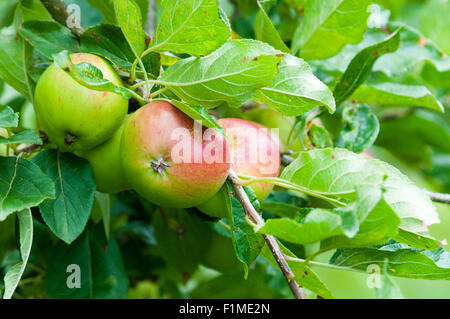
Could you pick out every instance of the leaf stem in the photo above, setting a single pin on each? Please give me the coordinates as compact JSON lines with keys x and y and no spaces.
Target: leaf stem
{"x":271,"y":242}
{"x":288,"y":185}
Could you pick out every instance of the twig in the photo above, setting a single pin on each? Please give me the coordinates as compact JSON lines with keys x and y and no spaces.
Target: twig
{"x":435,"y":197}
{"x":438,"y":197}
{"x":271,"y":242}
{"x":58,"y":10}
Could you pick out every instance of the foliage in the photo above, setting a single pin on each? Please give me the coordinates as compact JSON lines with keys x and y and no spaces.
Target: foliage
{"x":371,"y":79}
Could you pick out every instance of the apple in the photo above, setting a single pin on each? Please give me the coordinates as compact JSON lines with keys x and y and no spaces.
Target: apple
{"x":253,"y":153}
{"x":271,"y":118}
{"x":170,"y":160}
{"x":220,"y":254}
{"x":107,"y":166}
{"x":74,"y":117}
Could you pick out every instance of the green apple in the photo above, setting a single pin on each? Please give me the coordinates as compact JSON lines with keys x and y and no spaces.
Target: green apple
{"x":166,"y":159}
{"x":74,"y":117}
{"x":253,"y":153}
{"x":107,"y":165}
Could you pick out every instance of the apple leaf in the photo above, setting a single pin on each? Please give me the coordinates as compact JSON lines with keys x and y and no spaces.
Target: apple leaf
{"x":328,"y":25}
{"x":129,"y":18}
{"x":106,"y":8}
{"x":100,"y":263}
{"x":190,"y":26}
{"x":88,"y":75}
{"x":182,"y":239}
{"x":197,"y":113}
{"x":13,"y":275}
{"x":230,"y":74}
{"x":265,"y":31}
{"x":388,"y":93}
{"x":15,"y":60}
{"x":304,"y":275}
{"x":22,"y":185}
{"x":361,"y":65}
{"x":8,"y":118}
{"x":48,"y":37}
{"x":67,"y":214}
{"x":26,"y":137}
{"x":295,"y":90}
{"x":247,"y":243}
{"x":402,"y":261}
{"x":360,"y":128}
{"x":337,"y":172}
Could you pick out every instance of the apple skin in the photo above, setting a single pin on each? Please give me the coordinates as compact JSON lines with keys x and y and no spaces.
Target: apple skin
{"x":150,"y":168}
{"x":107,"y":166}
{"x":74,"y":117}
{"x":220,"y":254}
{"x":242,"y":163}
{"x":271,"y":118}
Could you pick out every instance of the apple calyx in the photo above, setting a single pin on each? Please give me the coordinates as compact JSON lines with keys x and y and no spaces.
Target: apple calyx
{"x":70,"y":139}
{"x":159,"y":165}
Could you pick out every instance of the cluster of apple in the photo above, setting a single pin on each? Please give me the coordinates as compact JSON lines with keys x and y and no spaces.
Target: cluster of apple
{"x":135,"y":151}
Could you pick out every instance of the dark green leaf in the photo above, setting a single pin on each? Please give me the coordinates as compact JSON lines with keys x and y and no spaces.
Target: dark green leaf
{"x":8,"y":118}
{"x":67,"y":214}
{"x":22,"y":185}
{"x":100,"y":263}
{"x":198,"y":113}
{"x":26,"y":137}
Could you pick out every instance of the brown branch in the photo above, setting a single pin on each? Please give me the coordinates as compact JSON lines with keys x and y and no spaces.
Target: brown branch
{"x":58,"y":10}
{"x":435,"y":197}
{"x":271,"y":242}
{"x":438,"y":197}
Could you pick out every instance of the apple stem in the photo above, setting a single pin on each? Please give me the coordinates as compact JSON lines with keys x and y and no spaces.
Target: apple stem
{"x":270,"y":240}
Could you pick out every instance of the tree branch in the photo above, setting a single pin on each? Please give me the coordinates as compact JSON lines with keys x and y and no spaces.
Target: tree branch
{"x":271,"y":242}
{"x":435,"y":197}
{"x":58,"y":10}
{"x":438,"y":197}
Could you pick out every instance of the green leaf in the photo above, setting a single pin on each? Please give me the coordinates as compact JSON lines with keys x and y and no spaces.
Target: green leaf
{"x":295,"y":90}
{"x":88,"y":75}
{"x":360,"y":128}
{"x":361,"y":65}
{"x":377,"y":221}
{"x":182,"y":239}
{"x":230,"y":74}
{"x":247,"y":243}
{"x":328,"y":25}
{"x":106,"y":8}
{"x":67,"y":214}
{"x":15,"y":60}
{"x":265,"y":31}
{"x":48,"y":37}
{"x":315,"y":136}
{"x":102,"y":271}
{"x":101,"y":211}
{"x":402,"y":261}
{"x":388,"y":289}
{"x":22,"y":185}
{"x":26,"y":137}
{"x":109,"y":41}
{"x":197,"y":113}
{"x":304,"y":275}
{"x":129,"y":18}
{"x":317,"y":225}
{"x":12,"y":277}
{"x":8,"y":118}
{"x":387,"y":93}
{"x":337,"y":172}
{"x":190,"y":26}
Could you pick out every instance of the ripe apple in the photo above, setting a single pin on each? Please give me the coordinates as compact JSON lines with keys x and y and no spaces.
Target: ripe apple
{"x":166,"y":159}
{"x":271,"y":118}
{"x":253,"y":153}
{"x":107,"y":166}
{"x":74,"y":117}
{"x":220,"y":254}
